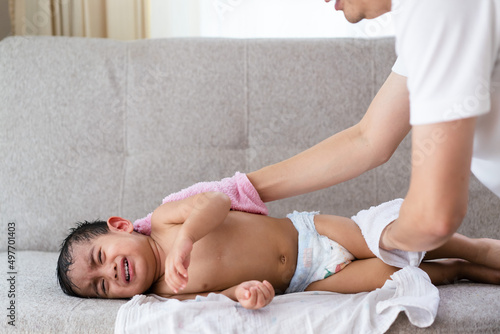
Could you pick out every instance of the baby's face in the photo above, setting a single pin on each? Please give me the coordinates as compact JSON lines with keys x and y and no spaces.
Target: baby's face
{"x":115,"y":265}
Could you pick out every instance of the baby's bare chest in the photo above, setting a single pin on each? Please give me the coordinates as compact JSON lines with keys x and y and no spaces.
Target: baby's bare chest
{"x":239,"y":250}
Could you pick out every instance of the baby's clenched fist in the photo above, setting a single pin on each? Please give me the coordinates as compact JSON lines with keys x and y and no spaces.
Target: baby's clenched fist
{"x":254,"y":294}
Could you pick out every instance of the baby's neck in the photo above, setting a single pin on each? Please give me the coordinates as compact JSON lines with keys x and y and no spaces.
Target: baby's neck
{"x":160,"y":257}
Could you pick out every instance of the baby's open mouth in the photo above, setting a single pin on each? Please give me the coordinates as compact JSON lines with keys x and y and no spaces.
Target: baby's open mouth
{"x":127,"y":274}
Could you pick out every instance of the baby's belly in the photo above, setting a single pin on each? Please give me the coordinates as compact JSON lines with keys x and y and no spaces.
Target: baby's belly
{"x":245,"y":247}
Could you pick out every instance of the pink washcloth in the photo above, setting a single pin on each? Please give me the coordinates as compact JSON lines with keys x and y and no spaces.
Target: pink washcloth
{"x":240,"y":190}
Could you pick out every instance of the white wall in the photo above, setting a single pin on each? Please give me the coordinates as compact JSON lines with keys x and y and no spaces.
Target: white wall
{"x":259,"y":18}
{"x":4,"y":18}
{"x":175,"y":18}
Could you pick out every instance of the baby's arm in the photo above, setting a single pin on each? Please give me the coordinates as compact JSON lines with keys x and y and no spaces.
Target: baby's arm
{"x":199,"y":215}
{"x":251,"y":294}
{"x":240,"y":190}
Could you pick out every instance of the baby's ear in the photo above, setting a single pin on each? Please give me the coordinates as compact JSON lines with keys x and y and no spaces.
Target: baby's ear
{"x":119,"y":224}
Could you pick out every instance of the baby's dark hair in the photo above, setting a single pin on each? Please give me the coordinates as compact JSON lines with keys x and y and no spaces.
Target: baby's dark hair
{"x":83,"y":232}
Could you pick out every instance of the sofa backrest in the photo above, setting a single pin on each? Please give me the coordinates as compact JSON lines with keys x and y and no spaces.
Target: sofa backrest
{"x":91,"y":128}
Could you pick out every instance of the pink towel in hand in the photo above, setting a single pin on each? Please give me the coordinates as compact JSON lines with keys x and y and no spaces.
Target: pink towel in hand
{"x":240,"y":190}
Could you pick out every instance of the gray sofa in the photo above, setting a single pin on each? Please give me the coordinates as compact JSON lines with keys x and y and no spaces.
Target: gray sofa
{"x":91,"y":128}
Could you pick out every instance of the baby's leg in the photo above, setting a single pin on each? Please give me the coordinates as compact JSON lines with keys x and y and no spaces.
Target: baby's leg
{"x":453,"y":270}
{"x":359,"y":276}
{"x":483,"y":251}
{"x":370,"y":274}
{"x":345,"y":232}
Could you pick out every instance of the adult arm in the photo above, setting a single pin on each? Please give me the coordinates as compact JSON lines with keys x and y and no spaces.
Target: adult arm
{"x":436,"y":202}
{"x":448,"y":48}
{"x":346,"y":154}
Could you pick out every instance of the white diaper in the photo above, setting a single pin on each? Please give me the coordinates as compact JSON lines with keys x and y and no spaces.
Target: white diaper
{"x":318,"y":256}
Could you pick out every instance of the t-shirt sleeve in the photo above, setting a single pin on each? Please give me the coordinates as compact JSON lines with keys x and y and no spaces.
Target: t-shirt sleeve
{"x":447,"y":49}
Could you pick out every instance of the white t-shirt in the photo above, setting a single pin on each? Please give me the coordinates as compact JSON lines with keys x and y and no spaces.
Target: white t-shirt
{"x":449,"y":51}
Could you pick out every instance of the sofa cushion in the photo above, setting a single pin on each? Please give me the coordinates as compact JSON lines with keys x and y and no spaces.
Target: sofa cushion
{"x":42,"y":307}
{"x":91,"y":128}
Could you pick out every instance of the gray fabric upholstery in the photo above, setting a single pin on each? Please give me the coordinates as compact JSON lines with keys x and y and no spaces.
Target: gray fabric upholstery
{"x":91,"y":128}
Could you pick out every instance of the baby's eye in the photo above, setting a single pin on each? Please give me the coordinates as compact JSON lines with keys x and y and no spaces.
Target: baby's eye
{"x":103,"y":287}
{"x":100,"y":257}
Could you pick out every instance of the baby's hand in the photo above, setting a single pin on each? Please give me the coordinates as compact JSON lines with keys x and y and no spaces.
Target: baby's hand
{"x":254,"y":294}
{"x":177,"y":263}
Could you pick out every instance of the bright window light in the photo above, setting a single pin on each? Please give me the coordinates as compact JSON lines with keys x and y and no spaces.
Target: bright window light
{"x":259,"y":19}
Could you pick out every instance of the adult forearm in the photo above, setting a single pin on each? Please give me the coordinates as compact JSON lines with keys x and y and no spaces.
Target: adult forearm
{"x":346,"y":154}
{"x":423,"y":224}
{"x":339,"y":158}
{"x":436,"y":203}
{"x":404,"y":234}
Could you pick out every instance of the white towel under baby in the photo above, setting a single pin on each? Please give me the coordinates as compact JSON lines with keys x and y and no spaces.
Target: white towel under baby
{"x":409,"y":291}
